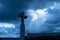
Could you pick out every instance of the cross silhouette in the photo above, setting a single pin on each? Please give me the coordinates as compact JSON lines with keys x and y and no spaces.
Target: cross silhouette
{"x":22,"y":27}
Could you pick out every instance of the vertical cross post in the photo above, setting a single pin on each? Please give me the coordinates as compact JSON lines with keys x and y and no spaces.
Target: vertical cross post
{"x":22,"y":27}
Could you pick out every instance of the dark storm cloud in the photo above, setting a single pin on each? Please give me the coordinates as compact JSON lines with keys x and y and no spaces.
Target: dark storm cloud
{"x":13,"y":7}
{"x":36,"y":4}
{"x":10,"y":13}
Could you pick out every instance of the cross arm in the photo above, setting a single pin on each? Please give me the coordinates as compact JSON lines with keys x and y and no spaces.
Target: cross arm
{"x":22,"y":15}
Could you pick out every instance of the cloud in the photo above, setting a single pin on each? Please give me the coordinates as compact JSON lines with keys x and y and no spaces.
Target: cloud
{"x":56,"y":13}
{"x":6,"y":25}
{"x":51,"y":20}
{"x":46,"y":24}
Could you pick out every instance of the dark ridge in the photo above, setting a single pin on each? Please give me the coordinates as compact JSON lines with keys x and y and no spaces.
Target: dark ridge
{"x":9,"y":38}
{"x":43,"y":36}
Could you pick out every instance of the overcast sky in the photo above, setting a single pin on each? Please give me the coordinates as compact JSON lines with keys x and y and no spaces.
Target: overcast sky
{"x":50,"y":22}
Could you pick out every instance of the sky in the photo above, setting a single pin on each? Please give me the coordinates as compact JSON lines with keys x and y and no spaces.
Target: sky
{"x":43,"y":16}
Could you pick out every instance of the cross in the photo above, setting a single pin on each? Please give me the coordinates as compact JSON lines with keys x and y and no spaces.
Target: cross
{"x":22,"y":27}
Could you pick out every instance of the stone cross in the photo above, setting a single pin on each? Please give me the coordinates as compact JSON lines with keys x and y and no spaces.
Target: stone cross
{"x":22,"y":27}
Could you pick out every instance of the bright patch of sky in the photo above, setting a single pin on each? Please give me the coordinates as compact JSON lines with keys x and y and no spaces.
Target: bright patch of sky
{"x":7,"y":25}
{"x":54,"y":4}
{"x":39,"y":16}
